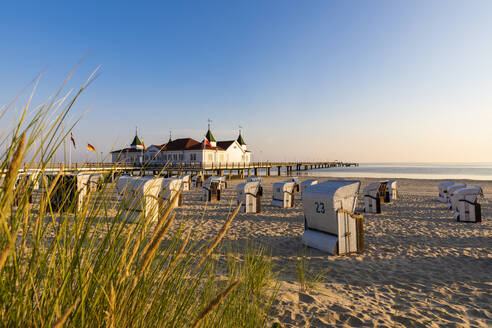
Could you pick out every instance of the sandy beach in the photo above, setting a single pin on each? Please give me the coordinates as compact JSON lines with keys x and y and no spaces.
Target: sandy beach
{"x":420,"y":268}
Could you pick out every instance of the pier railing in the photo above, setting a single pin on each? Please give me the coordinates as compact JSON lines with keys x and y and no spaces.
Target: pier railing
{"x":182,"y":166}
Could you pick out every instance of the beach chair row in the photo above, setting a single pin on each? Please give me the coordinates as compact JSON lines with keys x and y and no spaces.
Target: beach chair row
{"x":462,"y":200}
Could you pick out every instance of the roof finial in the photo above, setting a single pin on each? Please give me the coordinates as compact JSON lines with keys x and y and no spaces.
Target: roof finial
{"x":170,"y":136}
{"x":136,"y":130}
{"x":209,"y":121}
{"x":240,"y":128}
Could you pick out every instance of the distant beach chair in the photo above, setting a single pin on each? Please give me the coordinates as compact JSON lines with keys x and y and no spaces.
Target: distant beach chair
{"x":372,"y":201}
{"x":86,"y":182}
{"x":186,"y":181}
{"x":450,"y":195}
{"x":283,"y":194}
{"x":254,"y":178}
{"x":467,"y":207}
{"x":211,"y":189}
{"x":223,"y":181}
{"x":197,"y":181}
{"x":443,"y":191}
{"x":329,"y":222}
{"x":139,"y":195}
{"x":392,"y":190}
{"x":169,"y":189}
{"x":23,"y":186}
{"x":249,"y":194}
{"x":307,"y":183}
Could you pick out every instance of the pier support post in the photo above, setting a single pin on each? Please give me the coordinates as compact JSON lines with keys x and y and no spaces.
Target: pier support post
{"x":278,"y":170}
{"x":256,"y":171}
{"x":268,"y":171}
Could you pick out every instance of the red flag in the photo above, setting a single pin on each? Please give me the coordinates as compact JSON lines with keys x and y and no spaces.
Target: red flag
{"x":207,"y":142}
{"x":72,"y":140}
{"x":143,"y":144}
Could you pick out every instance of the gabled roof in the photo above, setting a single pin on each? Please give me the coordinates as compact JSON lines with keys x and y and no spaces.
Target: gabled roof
{"x":127,"y":150}
{"x":225,"y":144}
{"x":136,"y":141}
{"x":185,"y":144}
{"x":240,"y":140}
{"x":210,"y":136}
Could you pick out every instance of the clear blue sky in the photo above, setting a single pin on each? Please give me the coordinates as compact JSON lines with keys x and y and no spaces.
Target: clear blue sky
{"x":347,"y":80}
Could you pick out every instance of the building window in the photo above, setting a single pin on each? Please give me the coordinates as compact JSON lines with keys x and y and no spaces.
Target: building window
{"x":181,"y":156}
{"x":192,"y":157}
{"x":210,"y":158}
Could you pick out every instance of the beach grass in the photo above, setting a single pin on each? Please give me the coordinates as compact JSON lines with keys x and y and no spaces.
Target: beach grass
{"x":90,"y":266}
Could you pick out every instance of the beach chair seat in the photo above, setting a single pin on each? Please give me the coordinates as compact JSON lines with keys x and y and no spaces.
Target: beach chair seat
{"x":383,"y":192}
{"x":64,"y":192}
{"x":197,"y":181}
{"x":283,"y":194}
{"x":139,"y":197}
{"x":297,"y":186}
{"x":467,"y":207}
{"x":451,"y":200}
{"x":249,"y":194}
{"x":330,"y":224}
{"x":443,"y":191}
{"x":372,"y":201}
{"x":211,"y":189}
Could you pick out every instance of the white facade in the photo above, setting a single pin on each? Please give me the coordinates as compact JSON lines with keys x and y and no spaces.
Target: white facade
{"x":186,"y":150}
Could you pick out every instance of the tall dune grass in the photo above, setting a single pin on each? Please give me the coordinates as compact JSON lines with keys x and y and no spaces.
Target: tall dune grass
{"x":91,"y":267}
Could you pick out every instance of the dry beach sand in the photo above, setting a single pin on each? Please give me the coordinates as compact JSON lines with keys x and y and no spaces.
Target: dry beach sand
{"x":420,"y":268}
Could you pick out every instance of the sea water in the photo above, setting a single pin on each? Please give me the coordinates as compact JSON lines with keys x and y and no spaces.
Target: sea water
{"x":473,"y":171}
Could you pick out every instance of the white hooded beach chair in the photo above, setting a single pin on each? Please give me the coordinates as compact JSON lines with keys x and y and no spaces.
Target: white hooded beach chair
{"x":83,"y":188}
{"x":139,"y":196}
{"x":307,"y":183}
{"x":392,"y":190}
{"x":372,"y":201}
{"x":467,"y":207}
{"x":283,"y":194}
{"x":249,"y":194}
{"x":450,"y":195}
{"x":329,"y":222}
{"x":443,"y":191}
{"x":211,"y":189}
{"x":186,"y":181}
{"x":169,"y":189}
{"x":197,"y":181}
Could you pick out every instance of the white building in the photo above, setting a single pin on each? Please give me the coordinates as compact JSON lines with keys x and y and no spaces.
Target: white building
{"x":186,"y":150}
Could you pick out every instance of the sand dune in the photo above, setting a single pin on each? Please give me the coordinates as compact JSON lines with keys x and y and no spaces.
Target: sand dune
{"x":420,"y":268}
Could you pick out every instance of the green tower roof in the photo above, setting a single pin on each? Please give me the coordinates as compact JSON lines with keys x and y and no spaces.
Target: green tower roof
{"x":136,"y":141}
{"x":240,"y":140}
{"x":210,"y":136}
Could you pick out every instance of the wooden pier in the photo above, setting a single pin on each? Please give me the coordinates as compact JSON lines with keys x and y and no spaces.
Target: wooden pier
{"x":231,"y":169}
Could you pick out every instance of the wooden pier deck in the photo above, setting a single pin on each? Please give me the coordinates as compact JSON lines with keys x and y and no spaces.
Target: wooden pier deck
{"x":167,"y":169}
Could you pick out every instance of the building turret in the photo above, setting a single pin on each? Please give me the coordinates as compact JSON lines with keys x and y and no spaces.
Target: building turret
{"x":210,"y":137}
{"x":136,"y":143}
{"x":240,"y":141}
